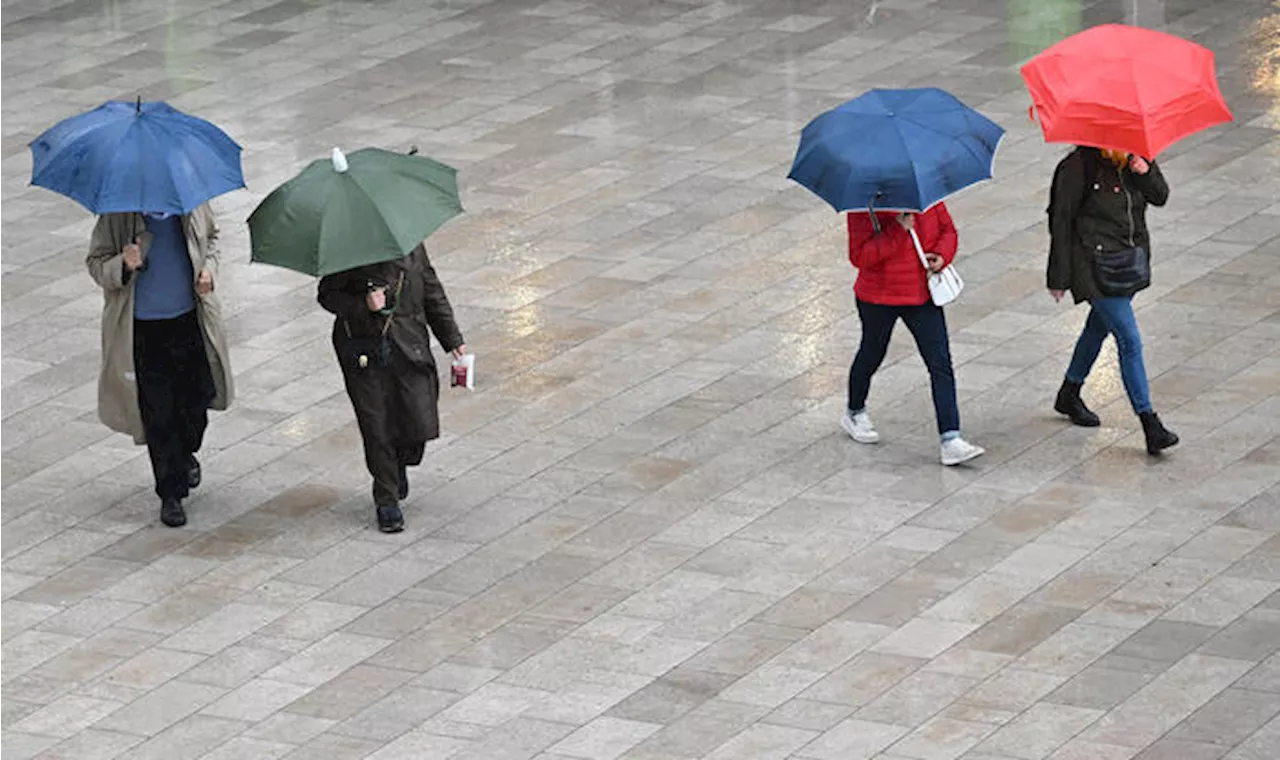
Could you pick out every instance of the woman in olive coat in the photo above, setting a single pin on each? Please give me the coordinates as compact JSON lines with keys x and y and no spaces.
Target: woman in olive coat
{"x":1099,"y":206}
{"x":384,"y":316}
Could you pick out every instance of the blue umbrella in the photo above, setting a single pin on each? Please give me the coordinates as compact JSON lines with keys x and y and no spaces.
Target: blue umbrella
{"x":147,"y":157}
{"x":895,"y":150}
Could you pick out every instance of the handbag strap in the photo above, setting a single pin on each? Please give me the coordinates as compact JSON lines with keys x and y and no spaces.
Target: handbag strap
{"x":924,"y":262}
{"x":395,"y":304}
{"x":386,"y":326}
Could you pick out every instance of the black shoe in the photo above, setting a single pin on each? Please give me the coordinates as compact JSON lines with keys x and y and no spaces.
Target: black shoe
{"x":172,"y":513}
{"x":390,"y":518}
{"x":404,"y":482}
{"x":193,"y":472}
{"x":1158,"y":436}
{"x":1070,"y":404}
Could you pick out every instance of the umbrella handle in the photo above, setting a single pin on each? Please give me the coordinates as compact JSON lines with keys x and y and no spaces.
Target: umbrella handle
{"x":143,"y":266}
{"x":871,"y":211}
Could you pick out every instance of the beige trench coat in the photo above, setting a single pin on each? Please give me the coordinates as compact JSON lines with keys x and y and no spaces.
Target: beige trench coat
{"x":117,"y":384}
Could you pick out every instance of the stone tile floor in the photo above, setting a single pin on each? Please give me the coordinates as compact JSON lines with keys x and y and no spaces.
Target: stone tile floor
{"x":644,"y":536}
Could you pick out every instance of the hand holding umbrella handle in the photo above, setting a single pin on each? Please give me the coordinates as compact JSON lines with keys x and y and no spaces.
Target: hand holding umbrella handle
{"x":133,"y":260}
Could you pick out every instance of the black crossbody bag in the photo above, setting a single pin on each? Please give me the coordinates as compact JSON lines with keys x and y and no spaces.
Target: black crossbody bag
{"x":1122,"y":273}
{"x":360,"y":352}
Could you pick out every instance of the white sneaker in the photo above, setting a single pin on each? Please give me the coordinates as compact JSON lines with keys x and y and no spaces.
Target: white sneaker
{"x":958,"y":451}
{"x":859,"y":427}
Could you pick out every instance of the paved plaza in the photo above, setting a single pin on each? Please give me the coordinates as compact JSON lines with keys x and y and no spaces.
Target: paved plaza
{"x":644,"y":535}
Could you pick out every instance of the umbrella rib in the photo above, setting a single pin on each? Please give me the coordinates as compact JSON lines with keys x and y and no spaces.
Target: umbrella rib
{"x":963,"y":142}
{"x":97,"y":193}
{"x":911,"y":160}
{"x":1137,"y":98}
{"x":915,"y":170}
{"x":368,"y":198}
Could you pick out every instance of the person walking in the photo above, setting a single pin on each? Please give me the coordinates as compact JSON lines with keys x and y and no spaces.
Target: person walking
{"x":892,"y":284}
{"x":165,"y":361}
{"x":1100,"y":251}
{"x":384,"y":315}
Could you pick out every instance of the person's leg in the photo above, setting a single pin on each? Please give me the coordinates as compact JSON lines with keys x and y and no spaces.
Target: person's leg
{"x":1123,"y":324}
{"x":410,"y":440}
{"x":1088,"y":345}
{"x":1119,"y":319}
{"x":877,"y":329}
{"x":368,"y":390}
{"x":928,"y":325}
{"x":408,"y":455}
{"x":158,"y":391}
{"x":197,"y":392}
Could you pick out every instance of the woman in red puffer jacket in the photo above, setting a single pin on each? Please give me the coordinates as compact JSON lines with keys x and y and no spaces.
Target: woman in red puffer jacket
{"x":893,"y":284}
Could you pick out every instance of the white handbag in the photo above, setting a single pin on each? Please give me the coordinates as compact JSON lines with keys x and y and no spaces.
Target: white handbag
{"x":944,"y":286}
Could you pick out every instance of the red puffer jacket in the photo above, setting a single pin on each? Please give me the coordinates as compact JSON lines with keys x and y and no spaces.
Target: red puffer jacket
{"x":889,"y":270}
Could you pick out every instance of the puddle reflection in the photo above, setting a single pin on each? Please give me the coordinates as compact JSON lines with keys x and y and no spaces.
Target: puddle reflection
{"x":1262,"y":55}
{"x":1034,"y":25}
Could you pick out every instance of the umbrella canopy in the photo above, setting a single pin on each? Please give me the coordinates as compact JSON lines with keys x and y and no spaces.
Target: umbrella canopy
{"x":147,"y":157}
{"x":345,"y":212}
{"x":901,"y":150}
{"x":1124,"y":88}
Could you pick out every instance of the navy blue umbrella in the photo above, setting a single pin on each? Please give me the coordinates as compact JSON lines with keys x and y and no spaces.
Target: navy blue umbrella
{"x":895,"y":150}
{"x":147,"y":157}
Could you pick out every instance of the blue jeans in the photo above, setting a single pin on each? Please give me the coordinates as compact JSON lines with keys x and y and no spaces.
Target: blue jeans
{"x":1113,"y":316}
{"x":928,"y":326}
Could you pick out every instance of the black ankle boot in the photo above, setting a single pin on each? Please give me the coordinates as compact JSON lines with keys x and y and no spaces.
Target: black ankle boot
{"x":390,"y":518}
{"x":172,"y":513}
{"x":1158,"y":436}
{"x":1070,"y":404}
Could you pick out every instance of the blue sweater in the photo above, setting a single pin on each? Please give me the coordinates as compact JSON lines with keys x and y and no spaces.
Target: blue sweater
{"x":166,"y":286}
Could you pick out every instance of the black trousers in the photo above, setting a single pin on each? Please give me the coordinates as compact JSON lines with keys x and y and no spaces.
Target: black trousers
{"x":392,"y":428}
{"x":175,"y":388}
{"x":928,"y":325}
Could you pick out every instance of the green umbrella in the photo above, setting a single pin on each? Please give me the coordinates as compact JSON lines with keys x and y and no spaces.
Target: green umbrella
{"x":346,"y":212}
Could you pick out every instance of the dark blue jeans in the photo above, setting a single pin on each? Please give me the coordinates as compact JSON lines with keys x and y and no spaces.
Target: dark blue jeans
{"x":1113,"y":316}
{"x":928,"y":325}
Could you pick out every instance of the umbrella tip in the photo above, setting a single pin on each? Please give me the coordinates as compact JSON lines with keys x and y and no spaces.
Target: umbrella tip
{"x":413,"y":150}
{"x":138,"y":104}
{"x":339,"y":161}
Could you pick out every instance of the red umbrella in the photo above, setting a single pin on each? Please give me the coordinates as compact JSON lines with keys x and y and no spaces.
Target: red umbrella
{"x":1125,"y":88}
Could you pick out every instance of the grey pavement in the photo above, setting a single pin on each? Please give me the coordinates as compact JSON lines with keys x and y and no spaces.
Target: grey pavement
{"x":644,"y":536}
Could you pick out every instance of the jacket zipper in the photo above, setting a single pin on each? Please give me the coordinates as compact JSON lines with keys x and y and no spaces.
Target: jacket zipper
{"x":1128,"y":205}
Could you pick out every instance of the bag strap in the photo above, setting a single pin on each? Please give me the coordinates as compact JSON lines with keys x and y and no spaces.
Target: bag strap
{"x":386,"y":326}
{"x":924,"y":262}
{"x":394,"y":305}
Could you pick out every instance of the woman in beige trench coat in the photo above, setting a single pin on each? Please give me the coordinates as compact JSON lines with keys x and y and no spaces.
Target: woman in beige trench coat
{"x":118,"y":255}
